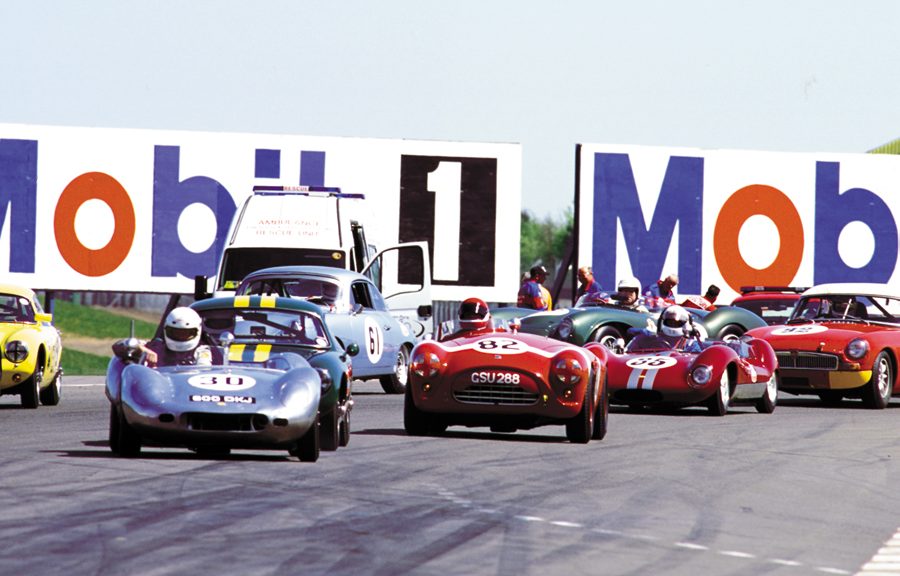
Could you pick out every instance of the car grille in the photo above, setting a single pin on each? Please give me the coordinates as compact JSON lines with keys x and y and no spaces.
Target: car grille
{"x":505,"y":394}
{"x":810,"y":360}
{"x":220,"y":422}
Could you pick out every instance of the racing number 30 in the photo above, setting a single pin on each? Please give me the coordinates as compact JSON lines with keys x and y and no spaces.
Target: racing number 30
{"x":464,"y":192}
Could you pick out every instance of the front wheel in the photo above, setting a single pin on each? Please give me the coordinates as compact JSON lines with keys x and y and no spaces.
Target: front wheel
{"x":580,"y":429}
{"x":730,"y":333}
{"x":50,"y":394}
{"x":329,"y":433}
{"x":307,"y":449}
{"x":128,"y":441}
{"x":877,"y":392}
{"x":31,"y":394}
{"x":766,"y":404}
{"x":607,"y":335}
{"x":601,"y":416}
{"x":395,"y":383}
{"x":718,"y":402}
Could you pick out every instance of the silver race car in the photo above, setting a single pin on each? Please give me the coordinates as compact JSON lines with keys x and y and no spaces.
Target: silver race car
{"x":282,"y":373}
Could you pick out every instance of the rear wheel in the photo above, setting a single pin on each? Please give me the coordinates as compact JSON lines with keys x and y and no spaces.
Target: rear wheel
{"x":395,"y":383}
{"x":50,"y":394}
{"x":344,"y":435}
{"x":580,"y":428}
{"x":718,"y":402}
{"x":307,"y":449}
{"x":766,"y":404}
{"x":877,"y":392}
{"x":606,"y":335}
{"x":31,"y":393}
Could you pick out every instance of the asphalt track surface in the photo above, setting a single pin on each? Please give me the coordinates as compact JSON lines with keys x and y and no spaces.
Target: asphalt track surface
{"x":806,"y":490}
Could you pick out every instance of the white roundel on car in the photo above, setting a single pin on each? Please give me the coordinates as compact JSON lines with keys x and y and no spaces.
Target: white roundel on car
{"x":802,"y":330}
{"x":374,"y":340}
{"x":651,"y":362}
{"x":222,"y":382}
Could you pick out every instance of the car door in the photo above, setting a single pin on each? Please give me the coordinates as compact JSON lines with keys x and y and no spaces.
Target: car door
{"x":378,"y":334}
{"x":402,"y":274}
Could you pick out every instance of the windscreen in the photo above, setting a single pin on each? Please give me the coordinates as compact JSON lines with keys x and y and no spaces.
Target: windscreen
{"x":239,"y":262}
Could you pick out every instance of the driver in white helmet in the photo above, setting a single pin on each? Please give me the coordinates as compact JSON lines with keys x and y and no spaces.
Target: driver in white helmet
{"x":675,"y":330}
{"x":180,"y":344}
{"x":629,"y":294}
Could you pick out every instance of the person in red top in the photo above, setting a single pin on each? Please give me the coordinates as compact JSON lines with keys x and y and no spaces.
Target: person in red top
{"x":705,"y":302}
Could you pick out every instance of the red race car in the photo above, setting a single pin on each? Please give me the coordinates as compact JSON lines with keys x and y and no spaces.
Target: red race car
{"x":771,"y":303}
{"x":842,"y":340}
{"x":660,"y":369}
{"x":508,"y":381}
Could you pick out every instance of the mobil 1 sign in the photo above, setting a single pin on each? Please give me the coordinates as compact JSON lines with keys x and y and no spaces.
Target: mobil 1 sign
{"x":146,"y":210}
{"x":737,"y":218}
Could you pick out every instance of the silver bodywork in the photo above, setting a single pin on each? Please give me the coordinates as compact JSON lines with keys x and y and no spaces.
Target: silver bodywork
{"x":231,"y":406}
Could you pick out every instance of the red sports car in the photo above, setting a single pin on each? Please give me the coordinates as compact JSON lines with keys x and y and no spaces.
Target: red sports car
{"x":508,"y":381}
{"x":771,"y":303}
{"x":652,"y":371}
{"x":842,"y":340}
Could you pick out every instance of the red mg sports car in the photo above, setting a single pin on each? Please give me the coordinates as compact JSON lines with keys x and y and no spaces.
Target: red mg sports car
{"x":656,"y":371}
{"x":842,"y":340}
{"x":508,"y":381}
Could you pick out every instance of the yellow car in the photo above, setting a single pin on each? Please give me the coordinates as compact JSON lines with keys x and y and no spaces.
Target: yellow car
{"x":31,"y":349}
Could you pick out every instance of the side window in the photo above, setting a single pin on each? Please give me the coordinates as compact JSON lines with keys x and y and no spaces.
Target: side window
{"x":361,"y":294}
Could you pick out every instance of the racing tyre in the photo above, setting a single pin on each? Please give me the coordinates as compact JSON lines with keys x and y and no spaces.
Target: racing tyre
{"x":601,"y":415}
{"x":766,"y":404}
{"x":128,"y":441}
{"x":730,"y":332}
{"x":344,"y":435}
{"x":31,"y":393}
{"x":718,"y":402}
{"x":606,"y":335}
{"x":113,"y":429}
{"x":329,"y":433}
{"x":415,"y":422}
{"x":877,"y":393}
{"x":395,"y":383}
{"x":50,"y":394}
{"x":830,"y":398}
{"x":580,"y":428}
{"x":307,"y":449}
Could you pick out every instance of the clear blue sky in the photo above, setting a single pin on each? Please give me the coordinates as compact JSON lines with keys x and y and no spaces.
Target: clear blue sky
{"x":812,"y":76}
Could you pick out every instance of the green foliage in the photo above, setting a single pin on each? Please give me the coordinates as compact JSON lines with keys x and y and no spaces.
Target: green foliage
{"x":544,"y":241}
{"x":76,"y":363}
{"x":73,"y":319}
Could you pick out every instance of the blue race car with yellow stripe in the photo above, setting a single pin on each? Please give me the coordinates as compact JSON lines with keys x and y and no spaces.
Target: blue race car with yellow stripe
{"x":283,"y":383}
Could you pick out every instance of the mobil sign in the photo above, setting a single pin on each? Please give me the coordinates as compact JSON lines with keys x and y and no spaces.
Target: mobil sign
{"x":735,"y":218}
{"x":147,"y":210}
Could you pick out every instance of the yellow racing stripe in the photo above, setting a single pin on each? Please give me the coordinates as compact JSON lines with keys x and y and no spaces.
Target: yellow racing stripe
{"x":241,"y":301}
{"x":236,"y":352}
{"x":267,"y":301}
{"x":261,"y":354}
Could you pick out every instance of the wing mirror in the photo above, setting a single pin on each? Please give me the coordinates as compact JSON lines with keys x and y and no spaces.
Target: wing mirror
{"x":128,"y":350}
{"x":352,"y":349}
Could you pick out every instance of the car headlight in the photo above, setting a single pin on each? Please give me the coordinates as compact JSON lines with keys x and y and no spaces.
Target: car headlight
{"x":565,"y":329}
{"x":426,"y":364}
{"x":325,"y":377}
{"x":568,"y":371}
{"x":857,"y":348}
{"x":16,"y":351}
{"x":701,"y":374}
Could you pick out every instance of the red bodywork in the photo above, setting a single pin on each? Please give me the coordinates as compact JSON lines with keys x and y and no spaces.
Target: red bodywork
{"x":664,"y":376}
{"x":506,"y":380}
{"x":771,"y":303}
{"x":813,"y":355}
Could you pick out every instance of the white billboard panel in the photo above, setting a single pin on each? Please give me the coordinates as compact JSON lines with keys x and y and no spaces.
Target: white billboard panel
{"x":146,"y":210}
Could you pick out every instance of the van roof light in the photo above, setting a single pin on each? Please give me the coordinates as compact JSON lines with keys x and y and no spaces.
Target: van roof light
{"x":330,"y":191}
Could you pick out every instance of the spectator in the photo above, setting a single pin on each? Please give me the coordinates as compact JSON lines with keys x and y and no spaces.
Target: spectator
{"x":533,"y":294}
{"x":587,"y":284}
{"x":662,"y":293}
{"x":705,"y":302}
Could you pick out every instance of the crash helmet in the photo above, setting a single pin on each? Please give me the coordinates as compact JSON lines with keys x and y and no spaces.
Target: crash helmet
{"x":474,"y":314}
{"x":182,"y":329}
{"x":673,"y":320}
{"x":629,"y":283}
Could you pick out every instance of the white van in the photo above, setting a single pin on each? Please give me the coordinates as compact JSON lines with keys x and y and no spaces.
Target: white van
{"x":312,"y":225}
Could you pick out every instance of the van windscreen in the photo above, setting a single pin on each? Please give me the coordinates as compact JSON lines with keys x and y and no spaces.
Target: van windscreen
{"x":239,"y":262}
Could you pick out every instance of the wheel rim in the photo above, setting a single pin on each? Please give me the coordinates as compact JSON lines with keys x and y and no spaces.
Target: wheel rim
{"x":772,"y":388}
{"x":401,"y":370}
{"x":884,"y":383}
{"x":724,"y":391}
{"x":609,"y":341}
{"x":730,"y":338}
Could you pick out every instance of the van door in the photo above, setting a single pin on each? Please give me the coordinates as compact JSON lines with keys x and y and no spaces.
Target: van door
{"x":402,"y":274}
